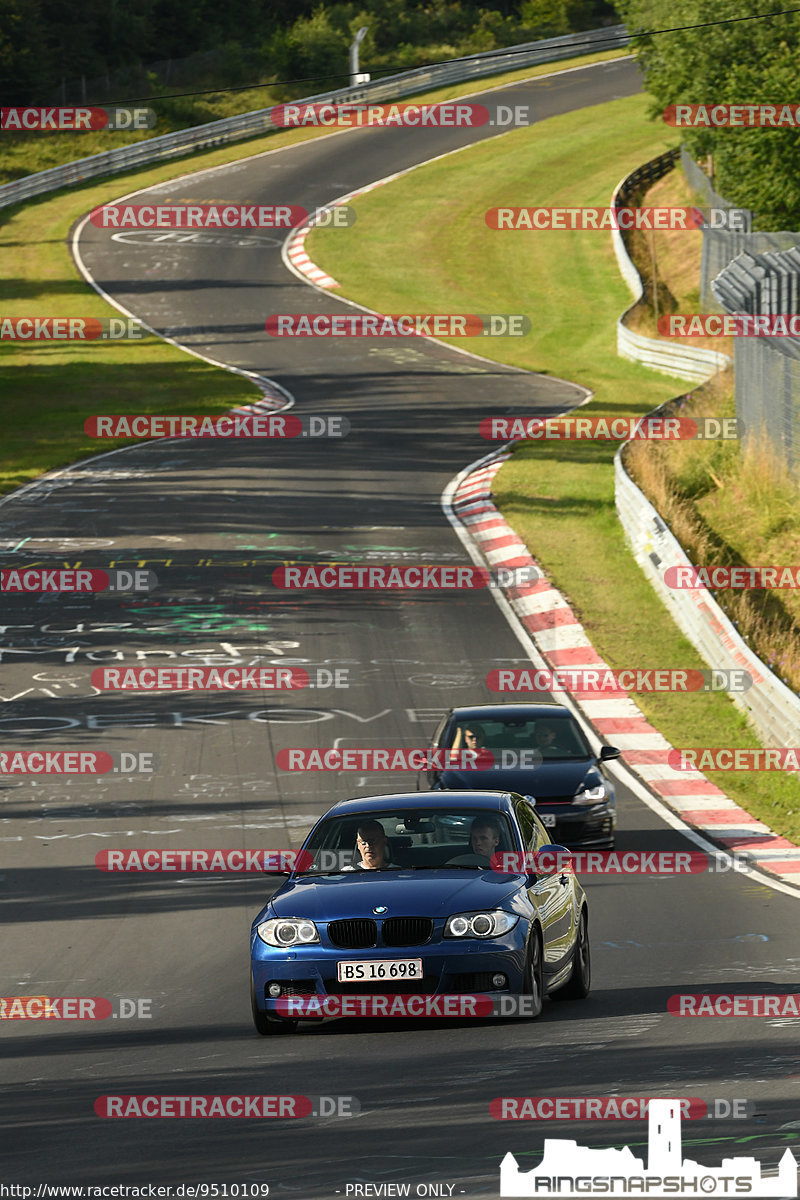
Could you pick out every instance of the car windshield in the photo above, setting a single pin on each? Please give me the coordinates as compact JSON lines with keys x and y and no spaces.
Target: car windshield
{"x":515,"y":743}
{"x":417,"y":839}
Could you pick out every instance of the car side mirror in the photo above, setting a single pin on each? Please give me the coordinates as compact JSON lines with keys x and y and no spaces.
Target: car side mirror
{"x":552,"y":860}
{"x":609,"y":752}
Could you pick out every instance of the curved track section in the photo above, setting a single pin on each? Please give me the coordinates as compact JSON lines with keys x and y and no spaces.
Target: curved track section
{"x":213,"y":520}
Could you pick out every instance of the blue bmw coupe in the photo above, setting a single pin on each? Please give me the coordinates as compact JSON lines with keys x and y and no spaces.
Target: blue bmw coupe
{"x":399,"y":895}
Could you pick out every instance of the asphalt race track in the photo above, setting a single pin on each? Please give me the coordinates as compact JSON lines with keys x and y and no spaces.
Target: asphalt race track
{"x":213,"y":519}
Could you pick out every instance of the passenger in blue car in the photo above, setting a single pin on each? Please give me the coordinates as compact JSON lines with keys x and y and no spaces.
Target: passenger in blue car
{"x":373,"y":846}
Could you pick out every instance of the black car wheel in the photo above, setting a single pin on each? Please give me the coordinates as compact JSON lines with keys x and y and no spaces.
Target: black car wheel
{"x":580,"y":981}
{"x":534,"y":976}
{"x":263,"y":1025}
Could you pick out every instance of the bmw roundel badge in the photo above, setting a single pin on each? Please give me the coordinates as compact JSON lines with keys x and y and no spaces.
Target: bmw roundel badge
{"x":381,"y":908}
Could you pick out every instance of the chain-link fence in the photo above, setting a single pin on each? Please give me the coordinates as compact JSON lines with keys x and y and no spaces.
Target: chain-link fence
{"x":722,"y":244}
{"x":766,"y":369}
{"x":751,"y":272}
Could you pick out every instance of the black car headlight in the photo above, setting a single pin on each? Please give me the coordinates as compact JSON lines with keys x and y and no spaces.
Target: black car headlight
{"x":592,"y":793}
{"x":480,"y":924}
{"x":288,"y":931}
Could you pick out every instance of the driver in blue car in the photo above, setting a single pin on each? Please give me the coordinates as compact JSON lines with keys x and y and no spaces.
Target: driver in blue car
{"x":373,"y":846}
{"x":484,"y":836}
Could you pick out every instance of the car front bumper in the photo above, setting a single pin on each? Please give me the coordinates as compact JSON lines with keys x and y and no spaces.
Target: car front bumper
{"x":464,"y":969}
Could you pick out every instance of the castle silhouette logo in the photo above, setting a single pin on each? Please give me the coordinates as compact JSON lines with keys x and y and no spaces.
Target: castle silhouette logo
{"x":568,"y":1169}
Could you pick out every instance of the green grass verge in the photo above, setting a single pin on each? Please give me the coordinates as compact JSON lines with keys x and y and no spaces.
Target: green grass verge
{"x":47,"y":391}
{"x":421,"y":245}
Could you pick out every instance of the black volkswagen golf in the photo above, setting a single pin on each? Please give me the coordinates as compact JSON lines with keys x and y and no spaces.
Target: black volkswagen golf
{"x":538,"y":751}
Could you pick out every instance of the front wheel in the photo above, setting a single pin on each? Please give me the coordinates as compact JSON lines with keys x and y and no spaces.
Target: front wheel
{"x":533,"y":984}
{"x":579,"y":983}
{"x":264,"y":1026}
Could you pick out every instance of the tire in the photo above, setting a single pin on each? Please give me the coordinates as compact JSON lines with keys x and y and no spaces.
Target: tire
{"x":579,"y":983}
{"x":533,"y":984}
{"x":263,"y":1025}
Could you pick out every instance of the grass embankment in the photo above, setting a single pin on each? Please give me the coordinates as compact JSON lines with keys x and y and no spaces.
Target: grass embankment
{"x":48,"y":390}
{"x":559,"y":496}
{"x":25,"y":153}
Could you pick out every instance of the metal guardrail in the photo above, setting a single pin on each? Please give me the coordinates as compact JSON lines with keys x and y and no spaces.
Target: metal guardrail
{"x":773,"y":707}
{"x":685,"y":362}
{"x":259,"y":122}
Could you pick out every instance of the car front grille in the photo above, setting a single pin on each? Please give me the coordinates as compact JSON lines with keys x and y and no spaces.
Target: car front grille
{"x":406,"y":931}
{"x":355,"y":934}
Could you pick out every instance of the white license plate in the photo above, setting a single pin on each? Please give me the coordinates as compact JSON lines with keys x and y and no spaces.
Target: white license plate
{"x":378,"y":969}
{"x":548,"y":820}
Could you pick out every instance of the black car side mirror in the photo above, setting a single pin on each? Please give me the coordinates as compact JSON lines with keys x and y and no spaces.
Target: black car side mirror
{"x":609,"y":752}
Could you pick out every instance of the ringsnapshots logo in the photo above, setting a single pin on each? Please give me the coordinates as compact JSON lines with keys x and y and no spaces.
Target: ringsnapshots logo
{"x":355,"y":115}
{"x":71,"y":329}
{"x":610,"y":429}
{"x":690,"y":325}
{"x":77,"y":580}
{"x":75,"y":120}
{"x":567,"y":1169}
{"x":390,"y":577}
{"x":600,"y":680}
{"x":398,"y":325}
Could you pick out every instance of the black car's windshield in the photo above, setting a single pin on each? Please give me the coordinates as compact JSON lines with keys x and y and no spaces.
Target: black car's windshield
{"x":418,"y":839}
{"x":519,"y":743}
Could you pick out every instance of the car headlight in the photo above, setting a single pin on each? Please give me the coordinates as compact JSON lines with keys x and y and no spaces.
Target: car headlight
{"x":591,"y":795}
{"x":480,"y":924}
{"x":288,"y":931}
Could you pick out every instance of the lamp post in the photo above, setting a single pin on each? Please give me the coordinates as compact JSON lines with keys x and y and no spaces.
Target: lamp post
{"x":356,"y":76}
